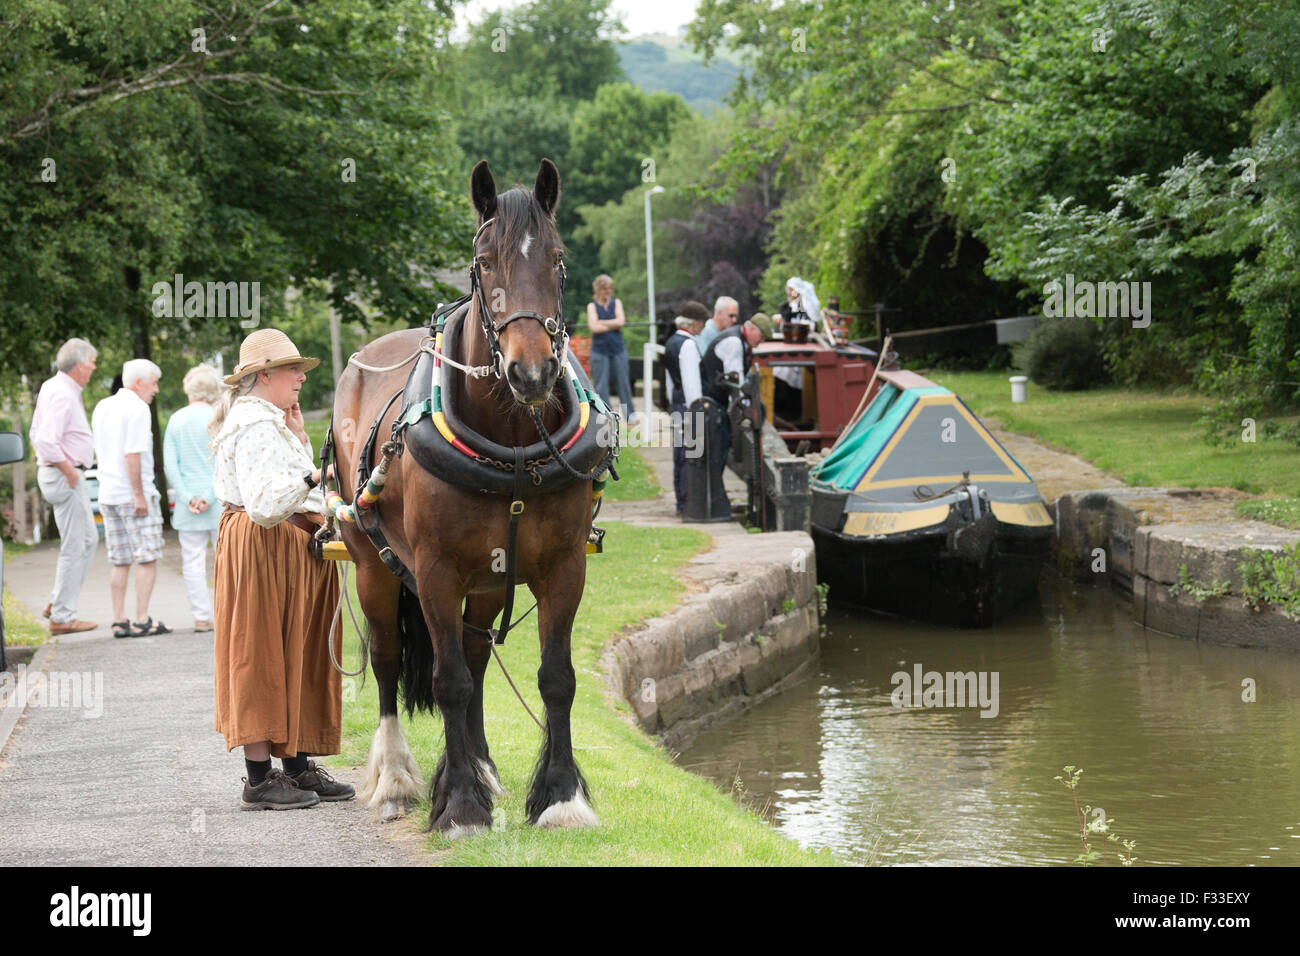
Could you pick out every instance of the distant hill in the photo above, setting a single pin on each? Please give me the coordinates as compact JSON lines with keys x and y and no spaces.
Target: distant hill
{"x":663,"y":62}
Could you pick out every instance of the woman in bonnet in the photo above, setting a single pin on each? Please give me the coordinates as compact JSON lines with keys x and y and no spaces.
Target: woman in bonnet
{"x":277,"y":693}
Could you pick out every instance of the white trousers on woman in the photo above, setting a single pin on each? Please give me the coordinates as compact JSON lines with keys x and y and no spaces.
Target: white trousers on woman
{"x":194,"y":565}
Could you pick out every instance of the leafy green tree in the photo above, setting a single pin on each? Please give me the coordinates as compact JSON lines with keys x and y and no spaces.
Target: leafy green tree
{"x":550,"y":50}
{"x":296,"y":141}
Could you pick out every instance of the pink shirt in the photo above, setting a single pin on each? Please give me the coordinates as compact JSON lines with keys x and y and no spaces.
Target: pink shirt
{"x":59,"y":430}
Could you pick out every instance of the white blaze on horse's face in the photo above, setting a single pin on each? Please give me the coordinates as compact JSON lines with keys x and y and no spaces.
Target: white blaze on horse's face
{"x":526,"y":245}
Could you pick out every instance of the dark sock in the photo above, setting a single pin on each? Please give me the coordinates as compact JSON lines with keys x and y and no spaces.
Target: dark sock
{"x":257,"y":770}
{"x":294,"y":765}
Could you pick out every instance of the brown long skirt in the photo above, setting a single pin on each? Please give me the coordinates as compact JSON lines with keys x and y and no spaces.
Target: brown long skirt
{"x":273,"y":607}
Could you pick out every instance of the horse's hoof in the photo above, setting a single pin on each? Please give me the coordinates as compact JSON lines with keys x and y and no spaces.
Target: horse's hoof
{"x":575,"y":812}
{"x":392,"y":809}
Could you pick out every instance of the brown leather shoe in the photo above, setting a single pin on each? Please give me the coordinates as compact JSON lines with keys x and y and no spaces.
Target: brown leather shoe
{"x":71,"y":627}
{"x":276,"y":792}
{"x":315,"y":779}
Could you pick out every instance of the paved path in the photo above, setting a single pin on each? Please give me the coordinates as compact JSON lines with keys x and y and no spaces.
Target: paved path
{"x":148,"y":781}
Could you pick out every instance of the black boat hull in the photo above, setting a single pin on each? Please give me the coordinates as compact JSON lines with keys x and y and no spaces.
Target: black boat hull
{"x":966,"y":579}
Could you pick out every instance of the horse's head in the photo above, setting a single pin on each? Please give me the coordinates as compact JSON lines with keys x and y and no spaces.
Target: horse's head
{"x":519,"y":276}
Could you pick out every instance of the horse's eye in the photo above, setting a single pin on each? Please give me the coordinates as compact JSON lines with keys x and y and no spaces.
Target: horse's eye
{"x":484,"y":263}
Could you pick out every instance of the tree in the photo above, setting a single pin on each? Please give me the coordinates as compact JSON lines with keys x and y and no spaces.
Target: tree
{"x":320,"y":160}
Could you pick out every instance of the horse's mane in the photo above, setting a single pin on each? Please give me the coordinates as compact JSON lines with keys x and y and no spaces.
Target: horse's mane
{"x":518,"y":213}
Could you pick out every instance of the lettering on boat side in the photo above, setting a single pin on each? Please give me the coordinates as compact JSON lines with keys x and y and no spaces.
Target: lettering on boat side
{"x":922,"y":688}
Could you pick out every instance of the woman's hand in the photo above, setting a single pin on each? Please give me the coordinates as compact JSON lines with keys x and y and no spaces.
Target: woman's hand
{"x":293,"y":418}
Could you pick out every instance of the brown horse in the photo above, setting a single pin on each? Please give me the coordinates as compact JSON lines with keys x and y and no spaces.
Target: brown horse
{"x":449,"y":537}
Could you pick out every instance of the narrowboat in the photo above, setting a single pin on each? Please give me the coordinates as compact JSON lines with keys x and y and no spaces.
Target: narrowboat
{"x":920,"y":511}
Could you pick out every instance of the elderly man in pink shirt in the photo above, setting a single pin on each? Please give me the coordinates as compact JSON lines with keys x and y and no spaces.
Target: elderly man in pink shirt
{"x":62,"y":441}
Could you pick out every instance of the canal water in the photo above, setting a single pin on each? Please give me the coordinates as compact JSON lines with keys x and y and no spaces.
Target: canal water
{"x":1172,"y":755}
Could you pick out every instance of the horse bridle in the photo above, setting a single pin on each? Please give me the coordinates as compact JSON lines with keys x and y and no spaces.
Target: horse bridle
{"x":492,"y":329}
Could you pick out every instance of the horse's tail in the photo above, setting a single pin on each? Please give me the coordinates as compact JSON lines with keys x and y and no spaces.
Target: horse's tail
{"x":416,"y":647}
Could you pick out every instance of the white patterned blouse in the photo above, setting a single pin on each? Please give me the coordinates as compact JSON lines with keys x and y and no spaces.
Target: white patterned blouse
{"x":259,"y":465}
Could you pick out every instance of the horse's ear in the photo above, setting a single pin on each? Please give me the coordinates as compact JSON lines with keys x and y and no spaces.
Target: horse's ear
{"x":547,"y":187}
{"x":483,"y":191}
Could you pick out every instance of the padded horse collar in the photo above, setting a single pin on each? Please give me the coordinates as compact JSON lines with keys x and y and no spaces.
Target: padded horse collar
{"x":432,"y":430}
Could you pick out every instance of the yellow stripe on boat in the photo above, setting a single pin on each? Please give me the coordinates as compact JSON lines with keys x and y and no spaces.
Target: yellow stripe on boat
{"x":863,"y":523}
{"x":1034,"y":514}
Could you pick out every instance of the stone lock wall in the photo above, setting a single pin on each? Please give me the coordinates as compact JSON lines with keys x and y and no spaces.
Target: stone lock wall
{"x":1147,"y":538}
{"x":724,"y":649}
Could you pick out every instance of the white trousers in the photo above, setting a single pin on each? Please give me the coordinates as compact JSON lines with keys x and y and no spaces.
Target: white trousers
{"x":194,"y":565}
{"x":77,"y":539}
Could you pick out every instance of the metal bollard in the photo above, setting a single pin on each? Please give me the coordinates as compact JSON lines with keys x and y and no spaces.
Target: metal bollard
{"x":706,"y":498}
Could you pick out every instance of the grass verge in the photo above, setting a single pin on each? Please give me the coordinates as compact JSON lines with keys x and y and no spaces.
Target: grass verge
{"x":1279,"y":511}
{"x":636,"y":479}
{"x":21,"y":628}
{"x":651,"y":812}
{"x":1147,"y":438}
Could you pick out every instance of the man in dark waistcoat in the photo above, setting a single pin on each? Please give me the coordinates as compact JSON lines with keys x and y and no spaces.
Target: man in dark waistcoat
{"x":726,"y":363}
{"x":682,"y":363}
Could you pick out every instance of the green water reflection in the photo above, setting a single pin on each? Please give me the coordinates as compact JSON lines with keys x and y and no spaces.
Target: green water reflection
{"x":1170,"y":751}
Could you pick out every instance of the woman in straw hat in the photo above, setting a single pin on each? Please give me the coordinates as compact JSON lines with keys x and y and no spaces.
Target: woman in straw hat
{"x":277,"y":693}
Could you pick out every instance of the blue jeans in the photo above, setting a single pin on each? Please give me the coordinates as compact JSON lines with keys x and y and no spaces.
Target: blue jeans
{"x":603,"y":368}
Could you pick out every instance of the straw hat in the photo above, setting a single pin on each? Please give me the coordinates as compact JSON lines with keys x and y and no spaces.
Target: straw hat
{"x":267,"y":348}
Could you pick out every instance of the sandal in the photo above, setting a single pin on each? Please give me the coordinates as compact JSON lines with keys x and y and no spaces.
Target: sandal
{"x":124,"y":629}
{"x":149,"y":628}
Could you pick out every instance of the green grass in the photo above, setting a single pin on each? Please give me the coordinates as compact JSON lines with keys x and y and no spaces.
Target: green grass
{"x":636,"y":479}
{"x":21,"y":628}
{"x":1280,"y":511}
{"x":1146,"y":438}
{"x":651,"y":812}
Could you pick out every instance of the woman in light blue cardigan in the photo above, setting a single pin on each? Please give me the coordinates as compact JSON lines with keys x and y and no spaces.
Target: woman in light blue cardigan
{"x":187,"y":459}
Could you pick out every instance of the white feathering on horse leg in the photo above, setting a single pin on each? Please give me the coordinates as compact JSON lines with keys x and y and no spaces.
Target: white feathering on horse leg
{"x":392,"y":775}
{"x":574,"y":812}
{"x":489,"y":778}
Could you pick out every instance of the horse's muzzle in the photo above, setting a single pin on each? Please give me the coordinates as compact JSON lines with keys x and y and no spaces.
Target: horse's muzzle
{"x":532,"y":382}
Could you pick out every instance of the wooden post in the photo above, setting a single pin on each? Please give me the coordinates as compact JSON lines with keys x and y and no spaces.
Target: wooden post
{"x":880,"y":325}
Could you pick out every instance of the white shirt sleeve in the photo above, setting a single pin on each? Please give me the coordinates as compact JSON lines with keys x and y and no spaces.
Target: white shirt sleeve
{"x":137,"y":434}
{"x":732,"y":356}
{"x":688,"y":361}
{"x":269,"y":482}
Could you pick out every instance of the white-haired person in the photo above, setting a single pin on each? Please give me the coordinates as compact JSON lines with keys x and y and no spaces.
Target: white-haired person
{"x":128,"y":495}
{"x":276,"y":691}
{"x":726,"y":313}
{"x":64,"y":448}
{"x":187,"y":460}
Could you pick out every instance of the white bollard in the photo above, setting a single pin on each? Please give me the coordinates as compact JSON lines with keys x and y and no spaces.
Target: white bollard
{"x":1018,"y":391}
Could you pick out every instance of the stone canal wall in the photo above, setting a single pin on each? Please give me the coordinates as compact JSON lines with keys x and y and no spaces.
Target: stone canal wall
{"x":1155,"y":542}
{"x":749,"y":628}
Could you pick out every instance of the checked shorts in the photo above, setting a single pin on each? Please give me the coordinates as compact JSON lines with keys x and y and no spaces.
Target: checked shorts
{"x":132,"y":539}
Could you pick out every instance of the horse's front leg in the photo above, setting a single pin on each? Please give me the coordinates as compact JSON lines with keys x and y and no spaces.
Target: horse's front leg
{"x":392,"y":777}
{"x":461,"y":802}
{"x":559,"y":795}
{"x":481,"y":610}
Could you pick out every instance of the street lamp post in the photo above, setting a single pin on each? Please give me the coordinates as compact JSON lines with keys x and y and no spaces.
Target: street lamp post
{"x":651,"y":347}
